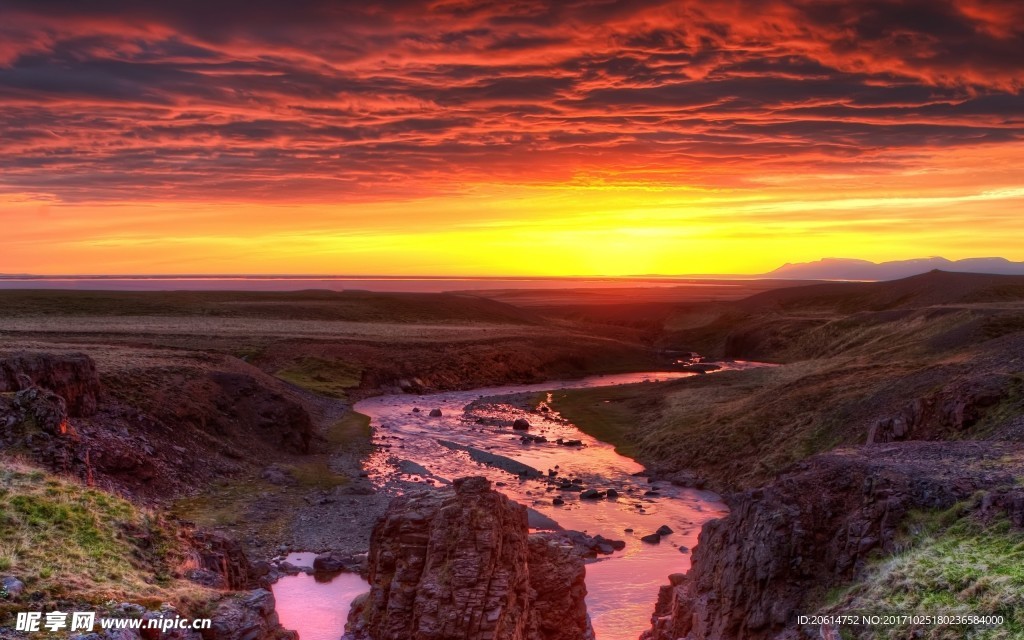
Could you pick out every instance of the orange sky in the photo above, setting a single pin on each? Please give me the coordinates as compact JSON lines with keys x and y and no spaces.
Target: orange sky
{"x":489,"y":138}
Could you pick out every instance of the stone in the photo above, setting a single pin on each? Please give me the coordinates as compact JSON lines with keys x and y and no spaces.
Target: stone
{"x":664,"y":530}
{"x":652,"y":538}
{"x":12,"y":587}
{"x":521,"y":424}
{"x":216,"y":553}
{"x":248,"y":616}
{"x":277,"y":475}
{"x":331,"y":562}
{"x":435,"y":413}
{"x":459,"y":563}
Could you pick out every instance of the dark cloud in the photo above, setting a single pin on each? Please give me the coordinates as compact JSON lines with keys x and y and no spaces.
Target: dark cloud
{"x":116,"y":99}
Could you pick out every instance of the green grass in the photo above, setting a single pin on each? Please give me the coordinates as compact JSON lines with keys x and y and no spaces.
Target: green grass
{"x":317,"y":474}
{"x":351,"y":433}
{"x":69,"y":541}
{"x":224,"y":504}
{"x":739,"y":429}
{"x":953,"y":564}
{"x":736,"y":428}
{"x":331,"y":378}
{"x":605,"y":413}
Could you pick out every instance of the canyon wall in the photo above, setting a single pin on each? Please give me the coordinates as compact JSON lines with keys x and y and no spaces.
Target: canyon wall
{"x":818,"y":526}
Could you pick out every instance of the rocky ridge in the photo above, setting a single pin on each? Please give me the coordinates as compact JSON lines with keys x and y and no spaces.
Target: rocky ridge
{"x":817,"y":527}
{"x":134,"y":436}
{"x":460,"y":563}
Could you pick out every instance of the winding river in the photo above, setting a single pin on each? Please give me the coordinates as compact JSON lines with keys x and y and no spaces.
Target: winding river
{"x":623,"y":587}
{"x":475,"y":425}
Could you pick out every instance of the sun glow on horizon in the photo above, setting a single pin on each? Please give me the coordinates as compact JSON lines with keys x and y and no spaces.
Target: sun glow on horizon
{"x":478,"y":138}
{"x":607,"y":229}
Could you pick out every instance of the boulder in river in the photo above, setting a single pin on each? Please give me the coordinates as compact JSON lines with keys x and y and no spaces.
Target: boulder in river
{"x":333,"y":562}
{"x":652,"y":538}
{"x":664,"y":530}
{"x":435,"y":413}
{"x":592,"y":494}
{"x":521,"y":424}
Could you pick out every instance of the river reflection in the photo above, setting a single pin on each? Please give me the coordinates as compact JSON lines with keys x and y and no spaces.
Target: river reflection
{"x":622,"y":588}
{"x":317,"y":609}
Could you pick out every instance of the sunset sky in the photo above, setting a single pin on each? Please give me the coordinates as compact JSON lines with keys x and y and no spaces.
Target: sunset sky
{"x":462,"y":137}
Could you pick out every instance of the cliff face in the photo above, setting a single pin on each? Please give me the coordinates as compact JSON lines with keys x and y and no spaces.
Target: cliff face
{"x":150,"y":433}
{"x":71,"y":376}
{"x":758,"y":568}
{"x":460,"y":565}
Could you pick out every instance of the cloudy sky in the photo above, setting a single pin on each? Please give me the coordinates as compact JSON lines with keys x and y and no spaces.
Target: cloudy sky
{"x":506,"y":137}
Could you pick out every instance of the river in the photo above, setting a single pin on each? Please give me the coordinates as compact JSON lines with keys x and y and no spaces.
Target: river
{"x":623,"y":587}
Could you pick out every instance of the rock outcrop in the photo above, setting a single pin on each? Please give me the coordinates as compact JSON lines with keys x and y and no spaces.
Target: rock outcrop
{"x":216,"y":560}
{"x":151,"y":433}
{"x":71,"y":376}
{"x":557,"y":579}
{"x":947,"y":413}
{"x":459,"y":564}
{"x":815,"y":528}
{"x":247,"y":615}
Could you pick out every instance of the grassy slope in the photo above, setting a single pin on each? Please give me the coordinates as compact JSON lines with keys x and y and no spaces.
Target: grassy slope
{"x":241,"y":502}
{"x":737,"y":428}
{"x":71,"y":542}
{"x":607,"y":413}
{"x":843,"y":371}
{"x":352,"y":433}
{"x":846,"y":365}
{"x":332,"y":378}
{"x":953,"y":564}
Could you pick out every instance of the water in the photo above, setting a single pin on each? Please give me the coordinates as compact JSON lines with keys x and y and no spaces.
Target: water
{"x":316,"y":608}
{"x":622,"y":588}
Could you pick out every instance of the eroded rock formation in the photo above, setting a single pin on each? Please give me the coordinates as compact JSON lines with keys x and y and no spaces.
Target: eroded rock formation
{"x":71,"y":376}
{"x":946,"y":413}
{"x":217,"y":560}
{"x":459,"y":564}
{"x":813,"y":529}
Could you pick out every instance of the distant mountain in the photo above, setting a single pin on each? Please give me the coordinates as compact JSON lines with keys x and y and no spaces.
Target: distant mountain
{"x":923,"y":290}
{"x":852,"y":269}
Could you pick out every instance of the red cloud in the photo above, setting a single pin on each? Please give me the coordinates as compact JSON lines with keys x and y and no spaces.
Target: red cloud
{"x":325,"y":99}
